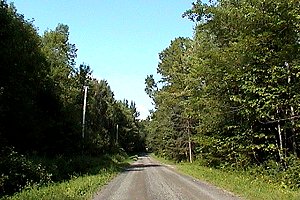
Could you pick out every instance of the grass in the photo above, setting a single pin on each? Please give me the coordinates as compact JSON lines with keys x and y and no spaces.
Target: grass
{"x":240,"y":183}
{"x":84,"y":186}
{"x":76,"y":188}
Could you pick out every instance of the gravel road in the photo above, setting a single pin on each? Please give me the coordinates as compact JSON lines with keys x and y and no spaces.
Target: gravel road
{"x":146,"y":179}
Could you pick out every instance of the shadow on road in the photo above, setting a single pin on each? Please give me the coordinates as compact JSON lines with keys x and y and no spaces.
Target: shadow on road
{"x":140,"y":167}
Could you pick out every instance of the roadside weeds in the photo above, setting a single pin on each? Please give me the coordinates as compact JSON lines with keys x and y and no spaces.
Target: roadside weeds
{"x":239,"y":183}
{"x":78,"y":187}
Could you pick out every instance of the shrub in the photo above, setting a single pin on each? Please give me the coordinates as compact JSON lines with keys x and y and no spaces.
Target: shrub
{"x":17,"y":172}
{"x":287,"y":174}
{"x":292,"y":173}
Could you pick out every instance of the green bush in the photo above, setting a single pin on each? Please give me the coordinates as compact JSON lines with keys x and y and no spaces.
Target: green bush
{"x":291,"y":176}
{"x":94,"y":173}
{"x":17,"y":172}
{"x":65,"y":167}
{"x":287,"y":174}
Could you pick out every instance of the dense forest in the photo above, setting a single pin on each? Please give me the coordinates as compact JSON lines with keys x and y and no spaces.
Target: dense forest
{"x":230,"y":95}
{"x":41,"y":103}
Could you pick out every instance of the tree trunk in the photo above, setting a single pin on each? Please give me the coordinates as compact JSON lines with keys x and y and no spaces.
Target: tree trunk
{"x":190,"y":149}
{"x":280,"y":150}
{"x":293,"y":132}
{"x":190,"y":143}
{"x":292,"y":113}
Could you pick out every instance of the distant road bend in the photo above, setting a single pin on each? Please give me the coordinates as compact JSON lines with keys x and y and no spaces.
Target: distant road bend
{"x":146,"y":179}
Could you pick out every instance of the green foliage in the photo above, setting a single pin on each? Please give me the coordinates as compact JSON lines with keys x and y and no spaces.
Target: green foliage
{"x":41,"y":103}
{"x":172,"y":117}
{"x":64,"y":168}
{"x":97,"y":172}
{"x":76,"y":188}
{"x":241,"y":183}
{"x":286,"y":176}
{"x":26,"y":172}
{"x":18,"y":172}
{"x":24,"y":84}
{"x":246,"y":184}
{"x":42,"y":95}
{"x":234,"y":87}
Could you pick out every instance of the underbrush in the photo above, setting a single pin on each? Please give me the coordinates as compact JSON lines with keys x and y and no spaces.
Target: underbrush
{"x":255,"y":183}
{"x":62,"y":176}
{"x":287,"y":175}
{"x":82,"y":187}
{"x":17,"y":172}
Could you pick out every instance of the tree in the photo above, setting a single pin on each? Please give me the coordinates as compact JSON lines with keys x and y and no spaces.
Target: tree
{"x":61,"y":54}
{"x":234,"y":84}
{"x":256,"y":39}
{"x":23,"y":82}
{"x":173,"y":100}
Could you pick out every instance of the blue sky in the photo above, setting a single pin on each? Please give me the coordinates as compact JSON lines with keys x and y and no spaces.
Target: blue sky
{"x":119,"y":39}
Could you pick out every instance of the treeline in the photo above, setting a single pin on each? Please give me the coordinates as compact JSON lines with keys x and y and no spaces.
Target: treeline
{"x":41,"y":100}
{"x":230,"y":95}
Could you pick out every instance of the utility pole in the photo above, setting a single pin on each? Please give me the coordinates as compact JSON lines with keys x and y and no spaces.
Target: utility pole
{"x":190,"y":142}
{"x":189,"y":139}
{"x":117,"y":134}
{"x":292,"y":110}
{"x":84,"y":109}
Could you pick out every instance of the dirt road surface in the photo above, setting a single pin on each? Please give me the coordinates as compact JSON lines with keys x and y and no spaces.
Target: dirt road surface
{"x":146,"y":179}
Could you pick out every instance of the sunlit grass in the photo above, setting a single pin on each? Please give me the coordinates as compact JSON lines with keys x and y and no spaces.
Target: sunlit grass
{"x":238,"y":182}
{"x":77,"y":188}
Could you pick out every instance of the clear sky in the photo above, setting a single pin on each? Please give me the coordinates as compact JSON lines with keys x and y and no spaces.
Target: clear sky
{"x":119,"y":39}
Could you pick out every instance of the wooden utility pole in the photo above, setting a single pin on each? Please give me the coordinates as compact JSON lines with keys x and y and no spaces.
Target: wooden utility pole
{"x":292,"y":112}
{"x":190,"y":142}
{"x":117,"y":134}
{"x":84,"y":109}
{"x":280,"y":149}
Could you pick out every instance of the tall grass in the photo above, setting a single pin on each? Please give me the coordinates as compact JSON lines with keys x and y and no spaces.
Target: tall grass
{"x":242,"y":183}
{"x":76,"y":178}
{"x":82,"y":187}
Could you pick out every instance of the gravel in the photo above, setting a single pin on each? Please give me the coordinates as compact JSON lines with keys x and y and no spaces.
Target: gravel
{"x":146,"y":179}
